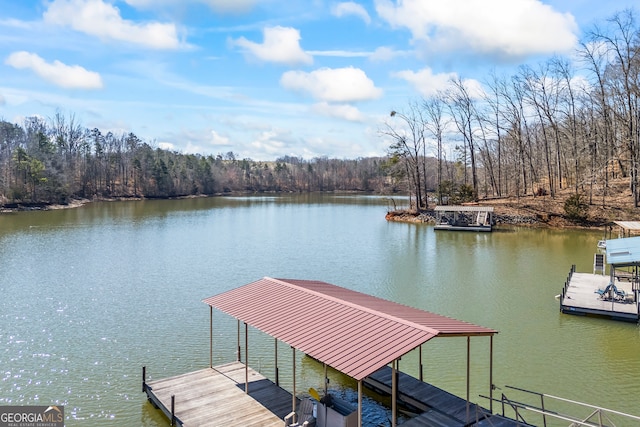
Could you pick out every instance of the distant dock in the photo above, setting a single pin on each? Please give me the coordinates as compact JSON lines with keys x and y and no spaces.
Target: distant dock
{"x":464,"y":218}
{"x":583,"y":294}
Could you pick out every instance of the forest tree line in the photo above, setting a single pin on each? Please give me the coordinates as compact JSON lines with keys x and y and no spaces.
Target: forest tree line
{"x":562,"y":124}
{"x":57,"y":160}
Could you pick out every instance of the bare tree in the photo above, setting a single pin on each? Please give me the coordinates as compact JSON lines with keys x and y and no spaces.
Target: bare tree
{"x":408,"y":145}
{"x":461,"y":106}
{"x":622,"y":44}
{"x":434,"y":108}
{"x":594,"y":55}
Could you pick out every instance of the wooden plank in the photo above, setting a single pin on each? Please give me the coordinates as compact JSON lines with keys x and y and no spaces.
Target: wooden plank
{"x":424,"y":396}
{"x":433,"y":419}
{"x":215,"y":397}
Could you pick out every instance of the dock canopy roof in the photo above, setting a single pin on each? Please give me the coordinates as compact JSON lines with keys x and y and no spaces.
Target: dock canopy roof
{"x":631,"y":226}
{"x":624,"y":251}
{"x":462,"y":208}
{"x":352,"y":332}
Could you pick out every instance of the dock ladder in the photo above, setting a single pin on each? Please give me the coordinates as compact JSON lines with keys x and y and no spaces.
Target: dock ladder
{"x":598,"y":263}
{"x":482,"y":217}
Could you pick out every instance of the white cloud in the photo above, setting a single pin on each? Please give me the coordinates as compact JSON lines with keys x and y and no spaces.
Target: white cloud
{"x":2,"y":100}
{"x":582,"y":84}
{"x":332,"y":84}
{"x":217,"y":139}
{"x":474,"y":88}
{"x":15,"y":23}
{"x":339,"y":53}
{"x":351,"y":8}
{"x":269,"y":143}
{"x":103,"y":20}
{"x":506,"y":28}
{"x":425,"y":82}
{"x":66,"y":76}
{"x":339,"y":111}
{"x":222,"y":6}
{"x":384,"y":54}
{"x":196,"y":141}
{"x":281,"y":45}
{"x":429,"y":84}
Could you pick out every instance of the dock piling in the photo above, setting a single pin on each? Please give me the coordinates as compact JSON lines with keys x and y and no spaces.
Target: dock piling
{"x":173,"y":410}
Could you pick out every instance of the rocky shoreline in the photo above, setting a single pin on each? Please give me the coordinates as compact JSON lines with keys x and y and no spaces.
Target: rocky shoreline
{"x":429,"y":217}
{"x":21,"y":207}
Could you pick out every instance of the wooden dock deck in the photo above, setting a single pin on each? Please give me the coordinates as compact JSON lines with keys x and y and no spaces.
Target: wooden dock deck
{"x":215,"y":397}
{"x":579,"y":296}
{"x":438,"y":407}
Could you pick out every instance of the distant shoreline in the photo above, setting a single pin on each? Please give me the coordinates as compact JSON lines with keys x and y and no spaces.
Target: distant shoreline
{"x":76,"y":203}
{"x":29,"y":206}
{"x":505,"y":215}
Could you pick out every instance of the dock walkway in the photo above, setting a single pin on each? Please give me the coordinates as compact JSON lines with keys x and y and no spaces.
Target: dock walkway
{"x":438,"y":407}
{"x":215,"y":397}
{"x":579,"y":296}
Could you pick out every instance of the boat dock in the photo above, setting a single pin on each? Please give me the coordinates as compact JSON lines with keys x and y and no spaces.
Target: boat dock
{"x":436,"y":407}
{"x":215,"y":397}
{"x":361,"y":336}
{"x":584,"y":294}
{"x":464,"y":218}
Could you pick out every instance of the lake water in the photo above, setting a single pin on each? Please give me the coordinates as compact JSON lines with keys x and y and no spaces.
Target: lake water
{"x":90,"y":295}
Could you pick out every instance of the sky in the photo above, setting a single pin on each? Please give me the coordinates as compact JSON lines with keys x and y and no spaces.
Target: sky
{"x":266,"y":78}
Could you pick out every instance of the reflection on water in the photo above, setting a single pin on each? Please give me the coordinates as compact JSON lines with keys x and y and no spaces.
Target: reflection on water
{"x":90,"y":295}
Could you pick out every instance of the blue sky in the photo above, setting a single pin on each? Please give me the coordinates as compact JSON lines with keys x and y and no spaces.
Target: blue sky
{"x":265,"y":78}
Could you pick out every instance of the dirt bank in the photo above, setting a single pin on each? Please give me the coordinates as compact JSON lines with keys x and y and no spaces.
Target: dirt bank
{"x":546,"y":211}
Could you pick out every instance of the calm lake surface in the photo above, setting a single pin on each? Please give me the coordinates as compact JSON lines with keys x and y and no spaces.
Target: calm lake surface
{"x":90,"y":295}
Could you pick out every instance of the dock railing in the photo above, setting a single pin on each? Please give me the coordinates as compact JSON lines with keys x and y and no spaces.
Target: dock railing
{"x":566,"y":284}
{"x":597,"y":417}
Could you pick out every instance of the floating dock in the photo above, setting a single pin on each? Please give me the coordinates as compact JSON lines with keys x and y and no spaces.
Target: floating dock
{"x":614,"y":295}
{"x":464,"y":218}
{"x":583,"y":294}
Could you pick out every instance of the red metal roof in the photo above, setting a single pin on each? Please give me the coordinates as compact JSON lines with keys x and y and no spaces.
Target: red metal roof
{"x":352,"y":332}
